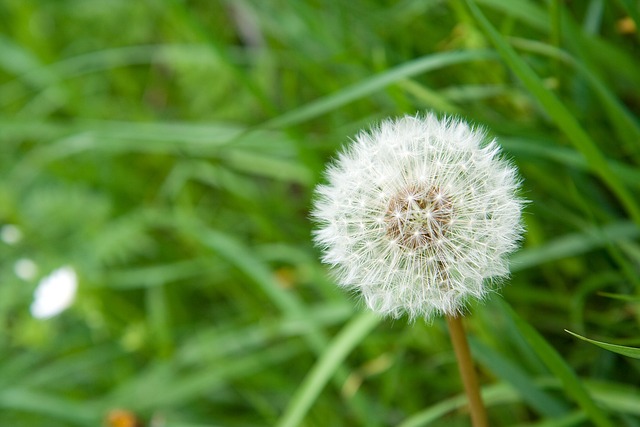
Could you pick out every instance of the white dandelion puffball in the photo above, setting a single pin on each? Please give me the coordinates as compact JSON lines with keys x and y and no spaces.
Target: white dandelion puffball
{"x":418,"y":216}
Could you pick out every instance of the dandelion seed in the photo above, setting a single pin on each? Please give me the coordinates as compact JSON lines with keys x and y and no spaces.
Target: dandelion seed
{"x":430,"y":213}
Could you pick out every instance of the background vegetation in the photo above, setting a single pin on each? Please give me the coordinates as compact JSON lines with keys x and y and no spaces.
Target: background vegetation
{"x":167,"y":150}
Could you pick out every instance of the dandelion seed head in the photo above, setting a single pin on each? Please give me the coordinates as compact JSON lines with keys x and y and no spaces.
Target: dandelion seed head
{"x":418,"y":216}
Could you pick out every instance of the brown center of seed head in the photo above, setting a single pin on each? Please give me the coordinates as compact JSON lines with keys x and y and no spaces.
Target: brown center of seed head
{"x":418,"y":216}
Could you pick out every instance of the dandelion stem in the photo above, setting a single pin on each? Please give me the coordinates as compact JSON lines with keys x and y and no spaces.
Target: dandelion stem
{"x":467,"y":372}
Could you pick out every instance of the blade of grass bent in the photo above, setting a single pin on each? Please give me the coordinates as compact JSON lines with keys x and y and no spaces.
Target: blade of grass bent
{"x":376,"y":83}
{"x":325,"y":368}
{"x":558,"y":113}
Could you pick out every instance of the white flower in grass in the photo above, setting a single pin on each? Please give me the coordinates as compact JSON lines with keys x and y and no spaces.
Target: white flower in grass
{"x":55,"y":293}
{"x":418,"y":216}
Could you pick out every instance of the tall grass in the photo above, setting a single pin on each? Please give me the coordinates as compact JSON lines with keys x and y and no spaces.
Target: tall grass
{"x":168,"y":150}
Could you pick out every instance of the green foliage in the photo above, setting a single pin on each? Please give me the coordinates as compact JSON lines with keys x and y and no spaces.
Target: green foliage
{"x":620,"y":349}
{"x":168,"y":151}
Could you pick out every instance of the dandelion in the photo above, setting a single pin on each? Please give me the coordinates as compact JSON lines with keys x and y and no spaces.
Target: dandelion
{"x":418,"y":216}
{"x":55,"y":293}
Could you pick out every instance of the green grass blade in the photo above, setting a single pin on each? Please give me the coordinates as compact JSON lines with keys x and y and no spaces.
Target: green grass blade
{"x":618,"y":398}
{"x":622,"y":398}
{"x":629,"y":298}
{"x":567,"y":157}
{"x":558,"y":113}
{"x":54,"y":407}
{"x":620,"y":349}
{"x":156,"y":275}
{"x":573,"y":244}
{"x":240,"y":256}
{"x":525,"y":11}
{"x":319,"y":375}
{"x":625,"y":124}
{"x":556,"y":364}
{"x":491,"y":395}
{"x":543,"y":403}
{"x":574,"y":419}
{"x":148,"y":392}
{"x":180,"y":10}
{"x":376,"y":83}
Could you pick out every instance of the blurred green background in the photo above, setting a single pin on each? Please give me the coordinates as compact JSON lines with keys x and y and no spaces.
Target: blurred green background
{"x":167,"y":151}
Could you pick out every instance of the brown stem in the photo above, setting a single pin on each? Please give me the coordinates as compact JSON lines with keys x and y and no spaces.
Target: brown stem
{"x":467,"y":372}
